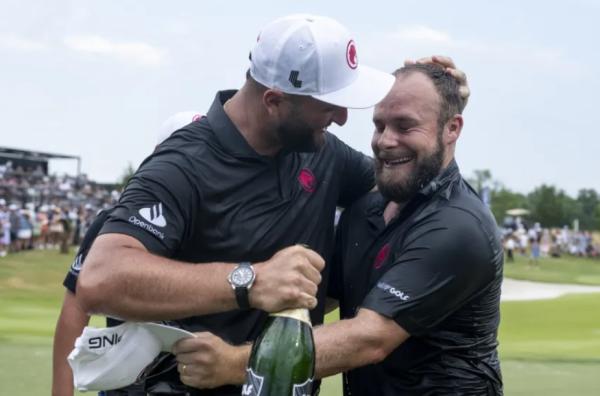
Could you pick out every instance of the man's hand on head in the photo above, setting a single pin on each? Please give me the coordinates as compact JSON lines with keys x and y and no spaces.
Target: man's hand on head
{"x":448,"y":64}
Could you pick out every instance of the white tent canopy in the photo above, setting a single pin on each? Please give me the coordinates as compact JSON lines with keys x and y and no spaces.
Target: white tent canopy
{"x":517,"y":212}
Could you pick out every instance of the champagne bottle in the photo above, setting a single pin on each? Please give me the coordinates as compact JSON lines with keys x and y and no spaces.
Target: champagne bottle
{"x":282,"y":362}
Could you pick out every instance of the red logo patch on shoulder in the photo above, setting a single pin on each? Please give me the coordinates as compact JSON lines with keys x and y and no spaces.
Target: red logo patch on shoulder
{"x":382,"y":255}
{"x":351,"y":56}
{"x":307,"y":180}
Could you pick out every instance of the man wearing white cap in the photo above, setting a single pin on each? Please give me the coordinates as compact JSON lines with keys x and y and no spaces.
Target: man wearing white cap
{"x":212,"y":228}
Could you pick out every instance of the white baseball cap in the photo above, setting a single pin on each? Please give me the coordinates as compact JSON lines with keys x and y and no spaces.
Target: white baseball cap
{"x":114,"y":357}
{"x":316,"y":56}
{"x":175,"y":122}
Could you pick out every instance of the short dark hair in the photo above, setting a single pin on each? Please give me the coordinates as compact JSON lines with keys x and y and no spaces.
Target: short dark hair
{"x":446,"y":85}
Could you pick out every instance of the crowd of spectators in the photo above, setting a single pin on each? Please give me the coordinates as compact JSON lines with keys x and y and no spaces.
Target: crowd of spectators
{"x":536,"y":241}
{"x":38,"y":211}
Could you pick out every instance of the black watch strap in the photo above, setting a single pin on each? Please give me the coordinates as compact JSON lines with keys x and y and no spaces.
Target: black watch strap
{"x":241,"y":296}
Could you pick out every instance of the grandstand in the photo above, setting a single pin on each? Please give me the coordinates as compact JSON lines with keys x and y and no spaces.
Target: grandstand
{"x":25,"y":179}
{"x":30,"y":161}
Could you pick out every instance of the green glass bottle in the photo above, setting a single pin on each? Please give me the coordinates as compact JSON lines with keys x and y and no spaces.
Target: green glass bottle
{"x":282,"y":362}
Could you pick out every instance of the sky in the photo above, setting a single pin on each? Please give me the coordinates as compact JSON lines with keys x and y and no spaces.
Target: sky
{"x":96,"y":78}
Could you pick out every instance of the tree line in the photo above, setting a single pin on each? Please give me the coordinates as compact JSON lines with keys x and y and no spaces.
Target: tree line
{"x":548,"y":205}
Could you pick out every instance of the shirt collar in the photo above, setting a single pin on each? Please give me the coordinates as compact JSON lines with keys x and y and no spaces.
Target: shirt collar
{"x":443,"y":182}
{"x":228,"y":135}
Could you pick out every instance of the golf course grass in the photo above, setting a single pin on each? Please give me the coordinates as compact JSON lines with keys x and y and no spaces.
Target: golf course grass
{"x":565,"y":269}
{"x":547,"y":347}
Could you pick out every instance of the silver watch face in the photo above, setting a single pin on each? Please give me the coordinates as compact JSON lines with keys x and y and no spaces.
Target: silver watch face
{"x":242,"y":276}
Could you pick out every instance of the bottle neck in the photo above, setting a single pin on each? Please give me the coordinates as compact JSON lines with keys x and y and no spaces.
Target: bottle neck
{"x":300,"y":314}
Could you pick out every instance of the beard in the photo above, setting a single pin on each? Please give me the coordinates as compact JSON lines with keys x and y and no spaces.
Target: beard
{"x":426,"y":169}
{"x":296,"y":135}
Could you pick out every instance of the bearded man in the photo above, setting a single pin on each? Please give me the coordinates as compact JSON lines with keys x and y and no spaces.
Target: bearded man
{"x":419,"y":263}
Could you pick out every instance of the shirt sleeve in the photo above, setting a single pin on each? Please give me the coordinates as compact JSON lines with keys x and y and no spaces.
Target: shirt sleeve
{"x":356,"y":175}
{"x":70,"y":281}
{"x":159,"y":203}
{"x":445,"y":260}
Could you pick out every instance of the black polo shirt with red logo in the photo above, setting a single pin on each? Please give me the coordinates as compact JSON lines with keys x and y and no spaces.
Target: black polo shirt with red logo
{"x":436,"y":270}
{"x":205,"y":195}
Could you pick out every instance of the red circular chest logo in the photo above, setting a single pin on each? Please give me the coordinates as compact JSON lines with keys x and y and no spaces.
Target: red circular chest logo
{"x":307,"y":180}
{"x":381,"y":256}
{"x":351,"y":56}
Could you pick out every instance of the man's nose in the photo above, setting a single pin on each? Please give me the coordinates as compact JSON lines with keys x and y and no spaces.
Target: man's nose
{"x":387,"y":139}
{"x":340,"y":115}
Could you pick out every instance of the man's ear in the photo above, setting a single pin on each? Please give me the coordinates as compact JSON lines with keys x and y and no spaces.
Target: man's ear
{"x":272,"y":100}
{"x":453,"y":129}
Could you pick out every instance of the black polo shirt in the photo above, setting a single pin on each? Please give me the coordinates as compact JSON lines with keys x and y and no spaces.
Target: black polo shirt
{"x":205,"y":195}
{"x":70,"y":281}
{"x":436,"y":270}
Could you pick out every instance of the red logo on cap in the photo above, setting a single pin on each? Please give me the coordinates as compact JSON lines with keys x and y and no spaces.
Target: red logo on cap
{"x":351,"y":56}
{"x":381,"y":256}
{"x":307,"y":180}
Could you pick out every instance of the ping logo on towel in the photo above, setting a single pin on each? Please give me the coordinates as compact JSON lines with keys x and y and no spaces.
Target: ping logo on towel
{"x":104,"y":341}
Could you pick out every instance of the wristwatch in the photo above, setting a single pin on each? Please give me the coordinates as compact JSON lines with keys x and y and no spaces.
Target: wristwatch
{"x":241,"y":280}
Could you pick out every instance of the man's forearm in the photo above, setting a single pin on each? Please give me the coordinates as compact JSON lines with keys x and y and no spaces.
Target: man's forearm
{"x":69,"y":326}
{"x":130,"y":283}
{"x":210,"y":362}
{"x":339,"y":350}
{"x":347,"y":344}
{"x":122,"y":279}
{"x":341,"y":346}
